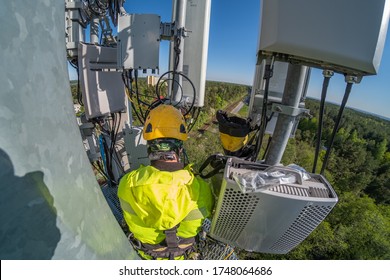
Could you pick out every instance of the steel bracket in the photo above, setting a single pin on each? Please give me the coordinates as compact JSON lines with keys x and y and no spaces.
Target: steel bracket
{"x":289,"y":110}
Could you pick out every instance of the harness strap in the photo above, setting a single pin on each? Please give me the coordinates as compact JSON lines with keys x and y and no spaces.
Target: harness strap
{"x":171,"y":238}
{"x":163,"y":250}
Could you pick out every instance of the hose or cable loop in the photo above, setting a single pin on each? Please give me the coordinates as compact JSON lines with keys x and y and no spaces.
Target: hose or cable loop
{"x":184,"y":76}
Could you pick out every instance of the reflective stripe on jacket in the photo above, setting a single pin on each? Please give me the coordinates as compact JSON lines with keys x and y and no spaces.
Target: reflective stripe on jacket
{"x":154,"y":201}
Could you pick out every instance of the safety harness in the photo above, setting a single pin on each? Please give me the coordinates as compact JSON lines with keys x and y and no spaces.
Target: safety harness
{"x":171,"y":247}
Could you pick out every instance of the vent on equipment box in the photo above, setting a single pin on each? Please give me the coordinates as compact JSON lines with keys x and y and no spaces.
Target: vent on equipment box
{"x":237,"y":209}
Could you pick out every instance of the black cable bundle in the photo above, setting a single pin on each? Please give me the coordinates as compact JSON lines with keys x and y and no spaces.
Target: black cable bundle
{"x":264,"y":120}
{"x":336,"y":127}
{"x":327,"y":76}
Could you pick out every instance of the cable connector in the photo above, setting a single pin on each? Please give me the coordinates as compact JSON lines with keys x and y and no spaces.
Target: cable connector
{"x":327,"y":73}
{"x":269,"y":68}
{"x":352,"y":79}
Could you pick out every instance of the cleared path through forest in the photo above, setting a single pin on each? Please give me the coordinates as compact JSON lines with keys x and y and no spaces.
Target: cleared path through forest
{"x":232,"y":109}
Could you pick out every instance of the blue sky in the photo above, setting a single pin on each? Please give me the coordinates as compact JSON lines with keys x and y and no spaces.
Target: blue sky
{"x":234,"y":31}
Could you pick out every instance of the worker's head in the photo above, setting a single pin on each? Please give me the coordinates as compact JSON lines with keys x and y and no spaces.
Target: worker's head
{"x":165,"y":130}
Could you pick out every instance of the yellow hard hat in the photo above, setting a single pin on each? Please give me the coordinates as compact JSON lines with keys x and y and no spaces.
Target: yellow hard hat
{"x":165,"y":121}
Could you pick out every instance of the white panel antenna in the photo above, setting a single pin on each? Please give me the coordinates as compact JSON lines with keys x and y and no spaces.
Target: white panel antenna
{"x":102,"y":86}
{"x":345,"y":36}
{"x":274,"y":219}
{"x":196,"y":48}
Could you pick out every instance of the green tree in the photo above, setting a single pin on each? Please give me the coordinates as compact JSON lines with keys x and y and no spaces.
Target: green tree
{"x":380,"y":150}
{"x":362,"y":226}
{"x":379,"y":188}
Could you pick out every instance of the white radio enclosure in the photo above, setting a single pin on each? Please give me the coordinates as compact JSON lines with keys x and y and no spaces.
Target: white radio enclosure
{"x":346,"y":36}
{"x":103,"y":91}
{"x":138,"y":41}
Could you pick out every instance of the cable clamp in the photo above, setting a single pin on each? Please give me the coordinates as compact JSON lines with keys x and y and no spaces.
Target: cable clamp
{"x":289,"y":110}
{"x":183,"y":32}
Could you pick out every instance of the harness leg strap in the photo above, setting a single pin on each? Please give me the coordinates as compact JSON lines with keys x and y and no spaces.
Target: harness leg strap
{"x":172,"y":241}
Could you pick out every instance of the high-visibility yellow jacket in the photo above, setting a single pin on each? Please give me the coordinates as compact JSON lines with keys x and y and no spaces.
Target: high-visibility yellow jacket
{"x":153,"y":201}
